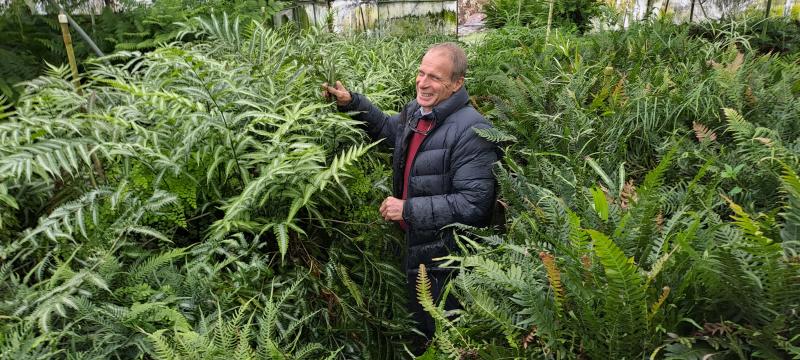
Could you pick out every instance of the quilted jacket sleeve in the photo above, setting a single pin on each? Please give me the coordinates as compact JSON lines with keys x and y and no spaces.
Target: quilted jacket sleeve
{"x":472,"y":196}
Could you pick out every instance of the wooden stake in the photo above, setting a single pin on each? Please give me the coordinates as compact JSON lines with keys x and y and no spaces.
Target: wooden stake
{"x":766,"y":12}
{"x":62,"y":20}
{"x":549,"y":21}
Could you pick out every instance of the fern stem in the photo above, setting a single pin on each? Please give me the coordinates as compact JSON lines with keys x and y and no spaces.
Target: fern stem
{"x":225,"y":122}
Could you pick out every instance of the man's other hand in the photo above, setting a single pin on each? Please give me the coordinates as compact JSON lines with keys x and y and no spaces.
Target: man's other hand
{"x":392,"y":209}
{"x":341,"y":95}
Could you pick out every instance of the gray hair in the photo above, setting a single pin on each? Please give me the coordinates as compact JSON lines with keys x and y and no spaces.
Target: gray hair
{"x":457,"y":56}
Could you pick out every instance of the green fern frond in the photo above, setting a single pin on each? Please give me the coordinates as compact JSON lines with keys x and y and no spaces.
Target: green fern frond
{"x":5,"y":108}
{"x":624,"y":304}
{"x":163,"y":350}
{"x":510,"y":276}
{"x":752,"y":230}
{"x":146,"y":231}
{"x":424,"y":292}
{"x":282,"y":236}
{"x":350,"y":285}
{"x":791,"y":212}
{"x":425,"y":298}
{"x":495,"y":135}
{"x":156,"y":312}
{"x":308,"y":350}
{"x":646,"y":211}
{"x":149,"y":266}
{"x":340,"y":163}
{"x":742,"y":130}
{"x":501,"y":315}
{"x":577,"y":236}
{"x":46,"y":159}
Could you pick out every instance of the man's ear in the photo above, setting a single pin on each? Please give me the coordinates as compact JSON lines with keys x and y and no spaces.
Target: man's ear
{"x":457,"y":85}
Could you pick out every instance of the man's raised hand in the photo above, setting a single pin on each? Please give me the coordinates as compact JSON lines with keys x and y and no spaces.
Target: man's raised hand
{"x":341,"y":95}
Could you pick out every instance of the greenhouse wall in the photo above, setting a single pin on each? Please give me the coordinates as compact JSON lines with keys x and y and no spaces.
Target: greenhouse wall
{"x":349,"y":15}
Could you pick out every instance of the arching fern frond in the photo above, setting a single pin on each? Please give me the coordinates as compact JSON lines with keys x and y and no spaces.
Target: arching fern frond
{"x":6,"y":110}
{"x":495,"y":135}
{"x":625,"y":307}
{"x":46,"y":159}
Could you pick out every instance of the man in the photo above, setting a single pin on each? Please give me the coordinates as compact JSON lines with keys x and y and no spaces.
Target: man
{"x":442,"y":170}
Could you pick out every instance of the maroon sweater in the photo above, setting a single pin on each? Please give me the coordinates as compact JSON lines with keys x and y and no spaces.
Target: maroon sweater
{"x":424,"y":125}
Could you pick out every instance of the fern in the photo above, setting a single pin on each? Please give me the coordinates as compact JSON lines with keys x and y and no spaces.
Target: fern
{"x":494,"y":135}
{"x":624,"y":303}
{"x":791,"y":215}
{"x":46,"y":159}
{"x":424,"y":295}
{"x":350,"y":285}
{"x":147,"y":267}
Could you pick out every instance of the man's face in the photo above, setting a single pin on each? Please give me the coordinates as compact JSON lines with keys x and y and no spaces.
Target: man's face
{"x":434,"y":83}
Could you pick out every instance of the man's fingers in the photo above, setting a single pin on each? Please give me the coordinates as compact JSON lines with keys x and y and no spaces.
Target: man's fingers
{"x":331,"y":89}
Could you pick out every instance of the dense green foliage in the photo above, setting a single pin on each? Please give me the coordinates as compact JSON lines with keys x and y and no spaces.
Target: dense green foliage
{"x":31,"y":40}
{"x":651,"y":184}
{"x":567,"y":14}
{"x":203,"y":201}
{"x":771,"y":35}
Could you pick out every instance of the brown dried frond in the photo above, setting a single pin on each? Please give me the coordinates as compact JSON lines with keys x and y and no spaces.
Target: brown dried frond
{"x":530,"y":338}
{"x":628,"y":195}
{"x":702,"y":132}
{"x":554,"y":276}
{"x":586,"y":261}
{"x":733,"y":67}
{"x":661,"y":299}
{"x":715,"y":328}
{"x":765,"y":141}
{"x":618,"y":93}
{"x":749,"y":97}
{"x":736,"y":64}
{"x":660,"y":221}
{"x":467,"y":354}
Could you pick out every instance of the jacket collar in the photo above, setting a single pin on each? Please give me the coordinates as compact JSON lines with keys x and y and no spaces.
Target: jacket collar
{"x":441,"y":112}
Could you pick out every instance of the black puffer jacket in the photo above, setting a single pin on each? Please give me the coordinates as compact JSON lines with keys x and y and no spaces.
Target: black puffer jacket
{"x":451,"y":180}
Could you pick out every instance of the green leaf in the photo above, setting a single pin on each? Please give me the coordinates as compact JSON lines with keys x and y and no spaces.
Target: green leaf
{"x":282,"y":236}
{"x":600,"y":203}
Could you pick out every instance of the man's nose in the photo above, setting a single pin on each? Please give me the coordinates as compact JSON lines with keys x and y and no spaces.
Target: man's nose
{"x":422,"y":80}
